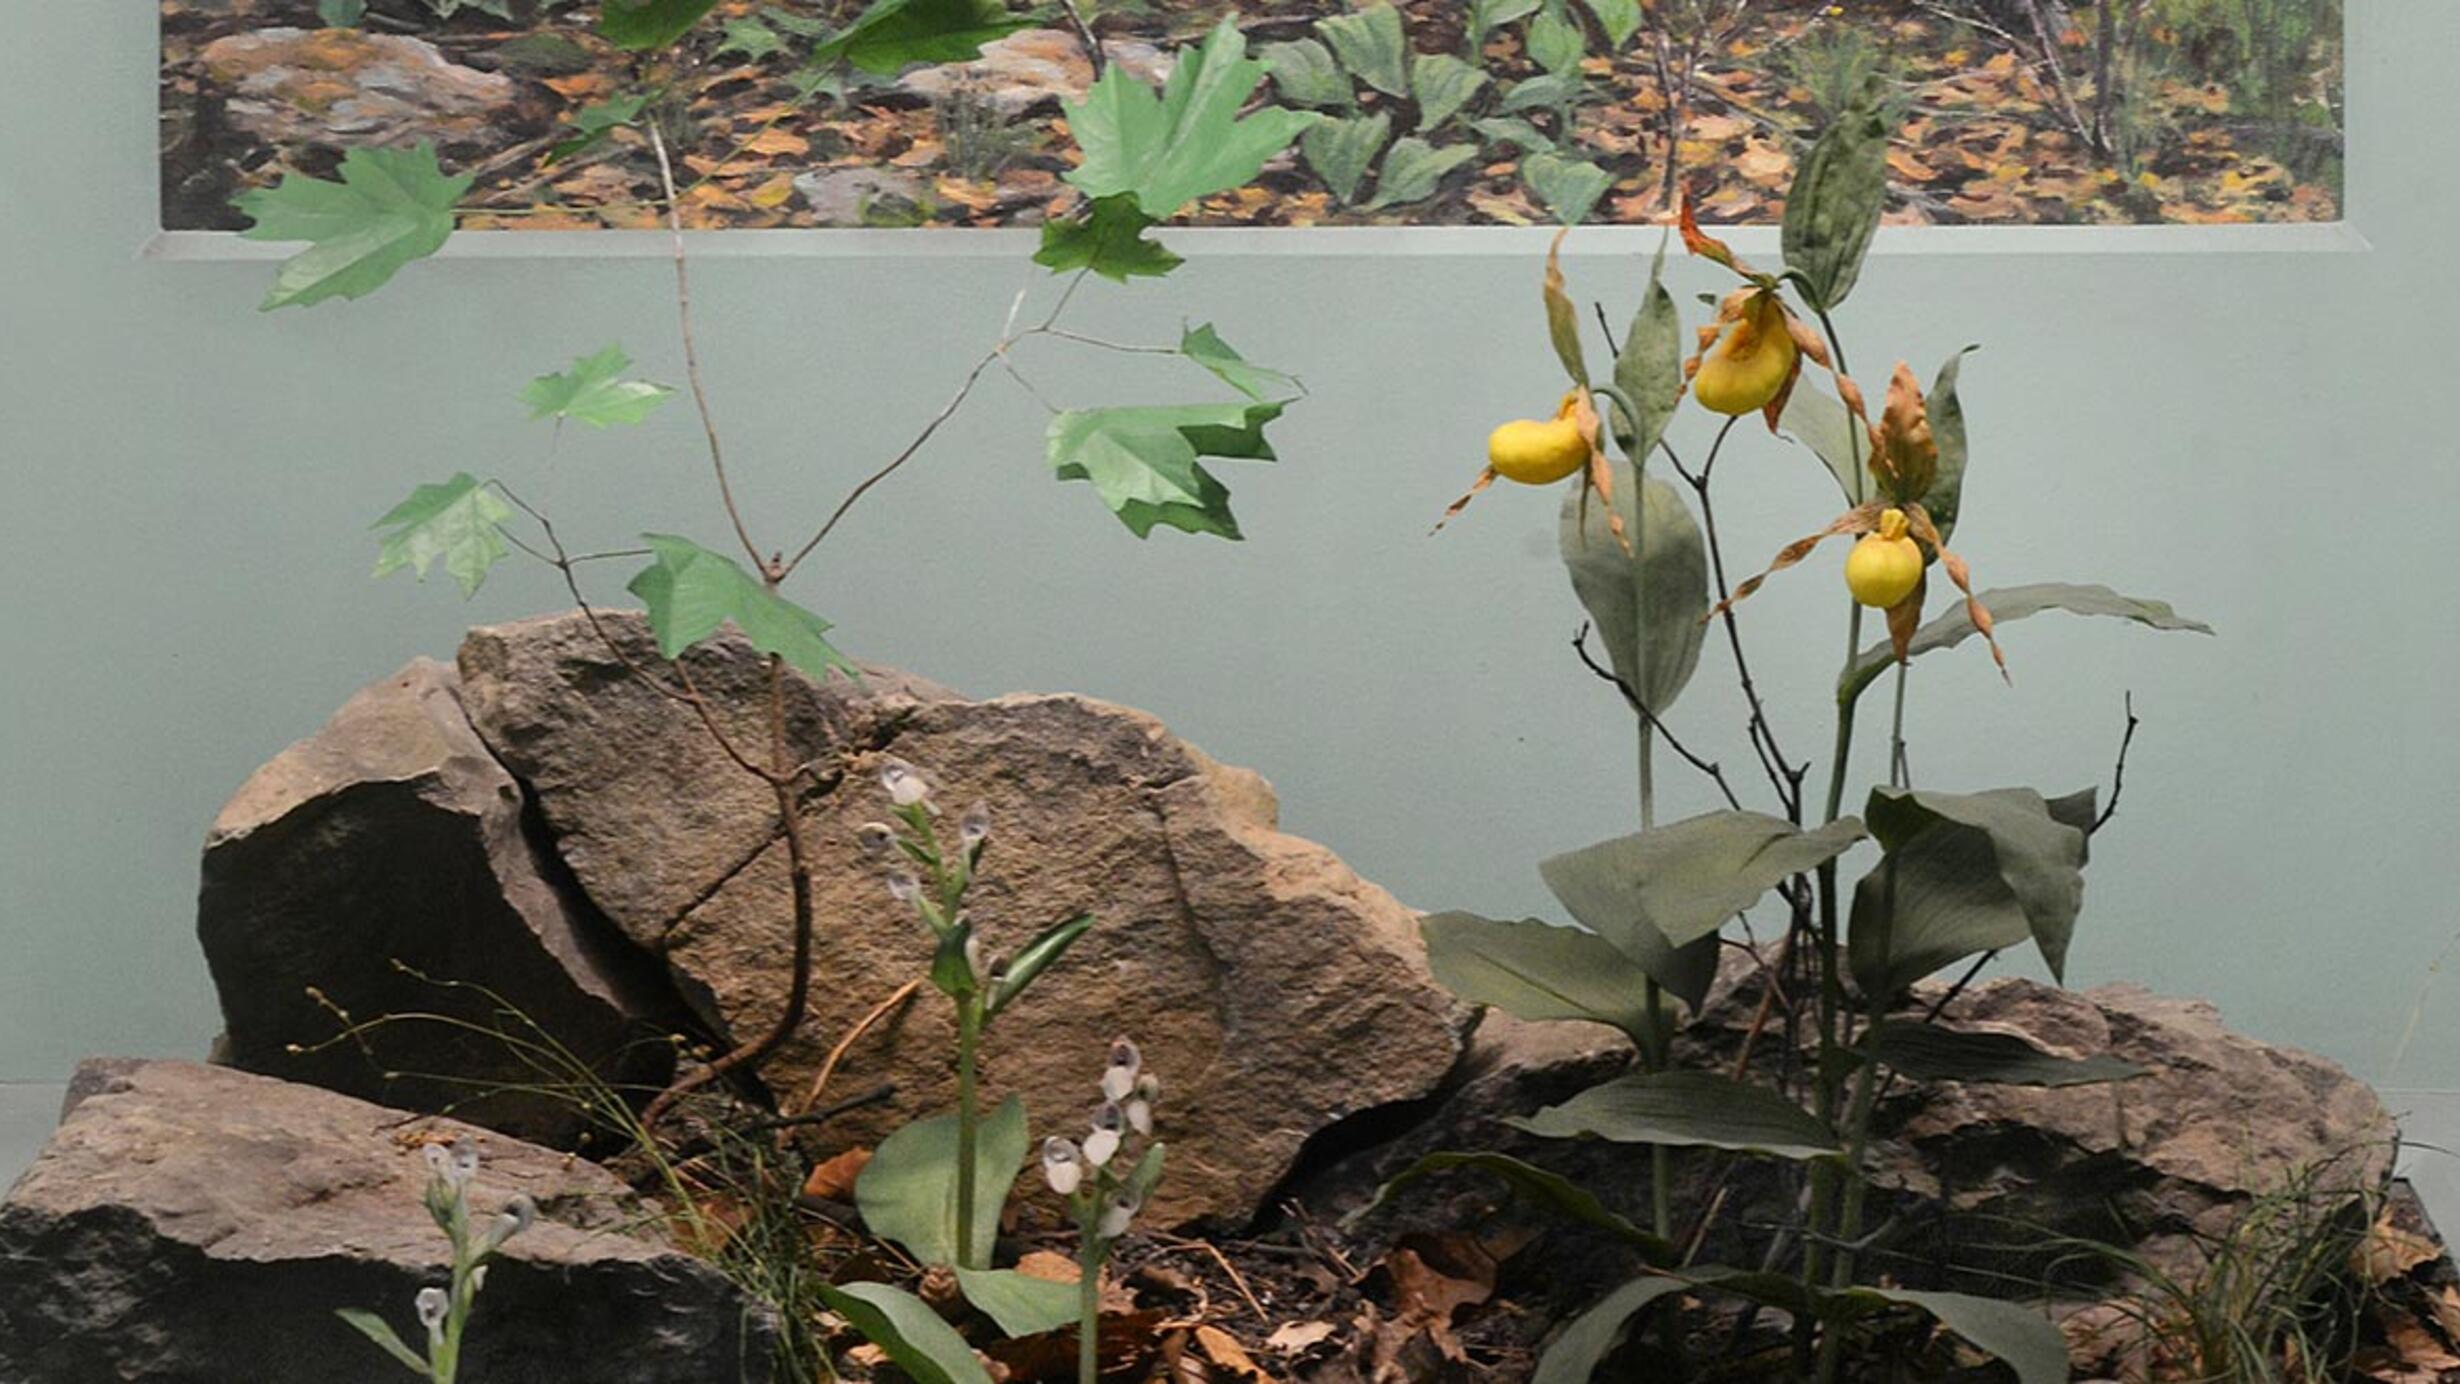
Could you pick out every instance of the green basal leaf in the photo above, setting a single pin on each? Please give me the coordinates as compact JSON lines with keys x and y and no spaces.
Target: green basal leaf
{"x":1204,"y":346}
{"x":1543,"y":92}
{"x":1341,"y":151}
{"x":1929,"y":904}
{"x":391,"y":206}
{"x":1186,"y":142}
{"x":1107,"y":238}
{"x":908,"y":1191}
{"x":1486,"y":16}
{"x":1676,"y":885}
{"x":1553,"y":1190}
{"x":1927,"y":1052}
{"x":460,"y":521}
{"x":1536,"y":971}
{"x":1143,"y":460}
{"x":1502,"y":129}
{"x":1619,"y":18}
{"x":2039,"y":858}
{"x":1442,"y":84}
{"x":894,"y":33}
{"x":1372,"y":45}
{"x":641,"y":25}
{"x":595,"y":392}
{"x":1686,"y":1109}
{"x":376,"y":1329}
{"x":2023,"y":1338}
{"x":1954,"y":626}
{"x":1945,"y":498}
{"x":1821,"y":423}
{"x":1593,"y":1335}
{"x":1414,"y":168}
{"x":904,"y":1326}
{"x":1649,"y":372}
{"x":1649,"y":604}
{"x":1038,"y":955}
{"x":1556,"y":42}
{"x":691,"y":592}
{"x":1305,"y":74}
{"x":1835,"y":203}
{"x":1568,"y":186}
{"x":1022,"y":1304}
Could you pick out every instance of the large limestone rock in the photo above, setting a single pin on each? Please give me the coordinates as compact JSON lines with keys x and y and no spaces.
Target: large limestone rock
{"x":342,"y":88}
{"x":1272,"y":990}
{"x":393,"y":836}
{"x":192,"y":1224}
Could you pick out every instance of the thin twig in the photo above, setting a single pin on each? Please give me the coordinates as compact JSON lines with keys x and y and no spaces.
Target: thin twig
{"x":2118,"y":772}
{"x":1580,"y":646}
{"x":691,"y":350}
{"x":1084,"y":32}
{"x":837,"y":1054}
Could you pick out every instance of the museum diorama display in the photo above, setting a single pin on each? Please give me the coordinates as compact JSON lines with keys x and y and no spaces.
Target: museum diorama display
{"x":657,"y":991}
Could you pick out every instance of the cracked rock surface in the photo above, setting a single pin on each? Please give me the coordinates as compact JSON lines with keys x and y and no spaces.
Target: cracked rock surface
{"x":194,"y":1224}
{"x":1272,"y":990}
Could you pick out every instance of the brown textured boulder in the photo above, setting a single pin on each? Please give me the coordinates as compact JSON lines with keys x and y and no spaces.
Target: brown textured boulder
{"x":344,"y":88}
{"x":192,"y":1224}
{"x":1272,"y":989}
{"x":393,"y":836}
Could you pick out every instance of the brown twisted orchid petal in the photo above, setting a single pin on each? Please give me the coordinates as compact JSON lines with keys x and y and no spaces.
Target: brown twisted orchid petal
{"x":1600,"y":478}
{"x":1485,"y":479}
{"x":1704,"y":245}
{"x":1905,"y":456}
{"x":1905,"y":617}
{"x":1918,"y":520}
{"x":1861,"y":519}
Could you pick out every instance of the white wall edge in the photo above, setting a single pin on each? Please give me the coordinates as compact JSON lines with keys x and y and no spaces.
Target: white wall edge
{"x":1234,"y":242}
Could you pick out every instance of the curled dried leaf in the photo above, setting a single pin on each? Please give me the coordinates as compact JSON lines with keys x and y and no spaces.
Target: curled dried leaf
{"x":1904,"y":454}
{"x":1485,"y":479}
{"x":1905,"y":617}
{"x":1704,"y":245}
{"x":1562,"y":318}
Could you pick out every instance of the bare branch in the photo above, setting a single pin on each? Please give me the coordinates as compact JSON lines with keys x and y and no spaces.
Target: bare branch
{"x":691,"y":351}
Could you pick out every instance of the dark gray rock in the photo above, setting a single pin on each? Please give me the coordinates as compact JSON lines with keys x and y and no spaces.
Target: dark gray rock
{"x":393,"y":836}
{"x":191,"y":1224}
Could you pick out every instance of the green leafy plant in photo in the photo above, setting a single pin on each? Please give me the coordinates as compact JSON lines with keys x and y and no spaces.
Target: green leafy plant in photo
{"x":1958,"y":877}
{"x":444,"y":1312}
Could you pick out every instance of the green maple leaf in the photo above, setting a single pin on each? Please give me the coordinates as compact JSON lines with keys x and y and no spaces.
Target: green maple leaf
{"x":1108,"y":239}
{"x":893,"y":33}
{"x":1204,"y":346}
{"x":691,"y":592}
{"x":390,"y":207}
{"x":1143,"y":461}
{"x":1186,"y":142}
{"x":593,"y":392}
{"x":458,"y":520}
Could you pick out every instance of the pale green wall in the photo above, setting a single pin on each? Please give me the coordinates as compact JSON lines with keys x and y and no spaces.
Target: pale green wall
{"x":2259,"y":437}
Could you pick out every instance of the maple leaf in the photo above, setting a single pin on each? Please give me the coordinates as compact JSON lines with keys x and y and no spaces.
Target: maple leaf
{"x":1143,"y":460}
{"x":391,"y":206}
{"x":457,"y":520}
{"x":1108,"y":239}
{"x":593,"y":392}
{"x":691,"y":592}
{"x":1187,"y":141}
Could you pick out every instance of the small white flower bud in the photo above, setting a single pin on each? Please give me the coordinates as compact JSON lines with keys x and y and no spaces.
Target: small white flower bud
{"x":875,"y":839}
{"x":464,"y":1163}
{"x":974,"y":827}
{"x":1119,"y":1078}
{"x":1116,"y":1215}
{"x":1140,"y":1115}
{"x":1062,"y":1166}
{"x":973,"y":957}
{"x":518,"y":1215}
{"x":905,"y":787}
{"x":431,"y":1305}
{"x":903,"y":887}
{"x":478,"y":1278}
{"x":1103,"y":1142}
{"x":439,"y":1158}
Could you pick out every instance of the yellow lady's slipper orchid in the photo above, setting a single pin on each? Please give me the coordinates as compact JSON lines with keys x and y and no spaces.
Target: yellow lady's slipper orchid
{"x":1752,"y":362}
{"x":1538,"y":452}
{"x":1885,"y":566}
